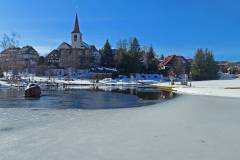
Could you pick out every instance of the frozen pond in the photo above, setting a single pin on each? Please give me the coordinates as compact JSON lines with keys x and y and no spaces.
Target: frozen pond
{"x":84,"y":98}
{"x":187,"y":127}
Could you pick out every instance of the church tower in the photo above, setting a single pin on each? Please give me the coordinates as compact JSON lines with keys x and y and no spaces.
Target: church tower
{"x":76,"y":35}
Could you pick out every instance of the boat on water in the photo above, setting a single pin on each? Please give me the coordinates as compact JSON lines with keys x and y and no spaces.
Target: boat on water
{"x":33,"y":91}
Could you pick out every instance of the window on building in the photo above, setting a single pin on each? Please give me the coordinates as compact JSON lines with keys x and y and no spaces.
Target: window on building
{"x":75,"y":38}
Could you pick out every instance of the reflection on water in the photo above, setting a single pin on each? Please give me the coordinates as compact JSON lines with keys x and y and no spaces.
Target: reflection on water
{"x":84,"y":98}
{"x":151,"y":93}
{"x":146,"y":94}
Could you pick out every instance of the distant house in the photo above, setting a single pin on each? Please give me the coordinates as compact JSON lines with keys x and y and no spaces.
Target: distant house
{"x":19,"y":59}
{"x":229,"y":67}
{"x":174,"y":64}
{"x":79,"y":54}
{"x":53,"y":58}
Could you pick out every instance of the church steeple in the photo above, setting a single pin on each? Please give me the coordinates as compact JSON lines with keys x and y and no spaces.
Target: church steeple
{"x":77,"y":35}
{"x":76,"y":26}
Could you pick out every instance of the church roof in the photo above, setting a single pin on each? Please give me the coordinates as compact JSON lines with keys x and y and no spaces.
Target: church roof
{"x":86,"y":45}
{"x":93,"y":48}
{"x":64,"y":45}
{"x":76,"y":26}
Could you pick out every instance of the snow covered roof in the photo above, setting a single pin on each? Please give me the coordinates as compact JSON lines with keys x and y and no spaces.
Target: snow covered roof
{"x":64,"y":45}
{"x":86,"y":45}
{"x":24,"y":50}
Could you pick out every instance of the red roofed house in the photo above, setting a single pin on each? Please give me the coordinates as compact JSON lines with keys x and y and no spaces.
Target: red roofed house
{"x":176,"y":64}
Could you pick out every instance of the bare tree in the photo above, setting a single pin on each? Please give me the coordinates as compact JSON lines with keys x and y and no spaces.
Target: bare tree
{"x":9,"y":41}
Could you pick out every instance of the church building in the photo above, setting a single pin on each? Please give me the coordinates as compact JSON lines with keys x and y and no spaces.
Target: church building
{"x":78,"y":55}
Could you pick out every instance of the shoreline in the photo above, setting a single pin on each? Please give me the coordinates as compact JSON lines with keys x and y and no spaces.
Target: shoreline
{"x":217,"y":88}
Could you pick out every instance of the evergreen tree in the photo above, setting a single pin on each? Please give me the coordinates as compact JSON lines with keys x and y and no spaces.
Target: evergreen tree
{"x":134,"y":46}
{"x":121,"y":58}
{"x":198,"y":67}
{"x":151,"y":63}
{"x":107,"y":57}
{"x":204,"y":66}
{"x":151,"y":53}
{"x":131,"y":58}
{"x":135,"y":57}
{"x":212,"y":68}
{"x":162,"y":57}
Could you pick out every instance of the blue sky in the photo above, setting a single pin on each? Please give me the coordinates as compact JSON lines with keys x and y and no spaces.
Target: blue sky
{"x":171,"y":26}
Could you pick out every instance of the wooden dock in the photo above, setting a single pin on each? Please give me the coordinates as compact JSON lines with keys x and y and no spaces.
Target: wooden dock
{"x":167,"y":89}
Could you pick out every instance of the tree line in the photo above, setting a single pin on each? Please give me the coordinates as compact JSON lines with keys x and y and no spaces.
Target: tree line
{"x":204,"y":66}
{"x":129,"y":57}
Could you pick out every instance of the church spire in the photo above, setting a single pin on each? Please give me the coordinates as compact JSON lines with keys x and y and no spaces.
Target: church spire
{"x":76,"y":35}
{"x":76,"y":26}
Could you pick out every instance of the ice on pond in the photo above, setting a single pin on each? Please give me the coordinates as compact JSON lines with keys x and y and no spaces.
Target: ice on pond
{"x":187,"y":127}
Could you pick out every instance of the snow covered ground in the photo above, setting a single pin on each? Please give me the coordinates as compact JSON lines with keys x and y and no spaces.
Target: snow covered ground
{"x":186,"y":128}
{"x":4,"y":84}
{"x":222,"y":88}
{"x":76,"y":82}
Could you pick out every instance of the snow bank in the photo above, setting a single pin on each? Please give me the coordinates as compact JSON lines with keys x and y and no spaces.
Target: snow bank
{"x":4,"y":84}
{"x":227,"y":76}
{"x":76,"y":82}
{"x":210,"y":88}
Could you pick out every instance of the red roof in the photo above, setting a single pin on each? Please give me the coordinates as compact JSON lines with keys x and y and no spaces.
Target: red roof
{"x":167,"y":60}
{"x":172,"y":58}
